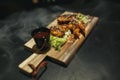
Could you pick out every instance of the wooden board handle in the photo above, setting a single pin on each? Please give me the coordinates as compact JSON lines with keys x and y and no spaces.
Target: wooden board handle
{"x":36,"y":70}
{"x":35,"y":59}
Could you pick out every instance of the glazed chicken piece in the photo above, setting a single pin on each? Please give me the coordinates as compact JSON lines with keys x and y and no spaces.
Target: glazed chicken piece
{"x":79,"y":27}
{"x":56,"y":31}
{"x":76,"y":32}
{"x":79,"y":24}
{"x":63,"y":28}
{"x":65,"y":19}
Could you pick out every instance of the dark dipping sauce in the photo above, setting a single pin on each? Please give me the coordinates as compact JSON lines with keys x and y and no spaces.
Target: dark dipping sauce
{"x":41,"y":37}
{"x":41,"y":34}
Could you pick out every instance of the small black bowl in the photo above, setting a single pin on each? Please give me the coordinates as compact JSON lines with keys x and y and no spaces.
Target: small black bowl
{"x":41,"y":37}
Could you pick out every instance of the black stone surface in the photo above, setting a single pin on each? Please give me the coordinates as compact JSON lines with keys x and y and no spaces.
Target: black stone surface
{"x":97,"y":59}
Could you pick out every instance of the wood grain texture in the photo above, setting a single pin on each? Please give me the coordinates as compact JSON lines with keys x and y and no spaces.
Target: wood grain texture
{"x":64,"y":55}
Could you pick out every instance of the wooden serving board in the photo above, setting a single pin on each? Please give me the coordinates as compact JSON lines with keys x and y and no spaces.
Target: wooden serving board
{"x":63,"y":56}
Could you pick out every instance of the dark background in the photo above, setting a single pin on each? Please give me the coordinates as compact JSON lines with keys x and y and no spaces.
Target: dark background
{"x":97,"y":59}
